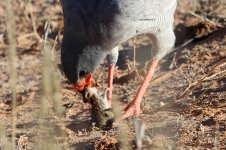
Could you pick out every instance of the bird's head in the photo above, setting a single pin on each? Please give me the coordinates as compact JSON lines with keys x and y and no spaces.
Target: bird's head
{"x":79,"y":62}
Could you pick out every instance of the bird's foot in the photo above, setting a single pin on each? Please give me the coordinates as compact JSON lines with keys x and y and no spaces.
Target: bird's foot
{"x":132,"y":109}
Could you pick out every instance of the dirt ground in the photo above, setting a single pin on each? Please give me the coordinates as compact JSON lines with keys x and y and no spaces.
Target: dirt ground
{"x":183,"y":108}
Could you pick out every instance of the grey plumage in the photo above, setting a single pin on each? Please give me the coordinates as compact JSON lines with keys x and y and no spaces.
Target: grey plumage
{"x":94,"y":27}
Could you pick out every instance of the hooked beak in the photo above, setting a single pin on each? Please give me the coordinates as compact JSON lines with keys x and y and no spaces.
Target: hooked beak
{"x":84,"y":82}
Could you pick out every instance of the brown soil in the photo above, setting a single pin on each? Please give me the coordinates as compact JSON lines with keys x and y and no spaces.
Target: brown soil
{"x":181,"y":108}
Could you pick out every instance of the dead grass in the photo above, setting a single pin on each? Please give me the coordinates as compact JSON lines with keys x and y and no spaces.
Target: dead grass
{"x":12,"y":60}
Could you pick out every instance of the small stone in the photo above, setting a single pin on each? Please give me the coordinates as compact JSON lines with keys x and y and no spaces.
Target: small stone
{"x":79,"y":133}
{"x":162,"y":104}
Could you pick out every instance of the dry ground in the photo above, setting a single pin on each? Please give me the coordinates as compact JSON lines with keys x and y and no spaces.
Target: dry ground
{"x":181,"y":108}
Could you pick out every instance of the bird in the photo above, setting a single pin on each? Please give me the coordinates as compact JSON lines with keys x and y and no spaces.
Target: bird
{"x":93,"y":30}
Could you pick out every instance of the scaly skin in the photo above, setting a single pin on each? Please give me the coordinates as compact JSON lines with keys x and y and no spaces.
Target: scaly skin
{"x":134,"y":106}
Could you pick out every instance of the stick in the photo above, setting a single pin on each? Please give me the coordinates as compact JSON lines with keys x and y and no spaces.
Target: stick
{"x":194,"y":85}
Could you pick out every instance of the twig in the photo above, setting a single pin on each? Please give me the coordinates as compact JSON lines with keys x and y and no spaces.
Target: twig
{"x":189,"y":81}
{"x":173,"y":61}
{"x":53,"y":54}
{"x":33,"y":21}
{"x":139,"y":132}
{"x":194,"y":85}
{"x":214,"y":75}
{"x":205,"y":19}
{"x":184,"y":44}
{"x":11,"y":29}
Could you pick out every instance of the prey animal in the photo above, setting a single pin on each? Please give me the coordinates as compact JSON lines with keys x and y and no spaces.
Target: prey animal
{"x":102,"y":114}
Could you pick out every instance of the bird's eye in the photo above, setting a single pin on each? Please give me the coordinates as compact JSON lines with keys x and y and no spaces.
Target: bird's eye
{"x":82,"y":73}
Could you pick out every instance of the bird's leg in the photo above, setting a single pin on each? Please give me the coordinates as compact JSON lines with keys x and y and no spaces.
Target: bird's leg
{"x":134,"y":106}
{"x":112,"y":58}
{"x":110,"y":82}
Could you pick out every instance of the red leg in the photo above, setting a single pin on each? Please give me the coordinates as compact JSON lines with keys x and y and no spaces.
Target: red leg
{"x":110,"y":82}
{"x":134,"y":106}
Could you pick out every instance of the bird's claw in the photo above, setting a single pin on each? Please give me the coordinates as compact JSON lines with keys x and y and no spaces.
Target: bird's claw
{"x":131,"y":109}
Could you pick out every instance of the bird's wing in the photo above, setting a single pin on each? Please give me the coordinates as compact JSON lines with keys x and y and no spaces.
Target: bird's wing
{"x":144,"y":9}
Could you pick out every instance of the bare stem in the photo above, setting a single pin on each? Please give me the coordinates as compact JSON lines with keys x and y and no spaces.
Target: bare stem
{"x":11,"y":30}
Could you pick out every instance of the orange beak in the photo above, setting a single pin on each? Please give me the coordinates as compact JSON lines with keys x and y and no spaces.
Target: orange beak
{"x":84,"y":82}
